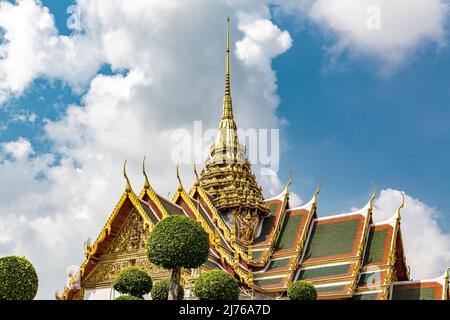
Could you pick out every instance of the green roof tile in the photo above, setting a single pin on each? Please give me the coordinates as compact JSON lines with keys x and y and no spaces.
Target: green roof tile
{"x":323,"y":272}
{"x":375,"y":247}
{"x":373,"y":278}
{"x":330,"y":239}
{"x":268,"y":282}
{"x":406,"y":293}
{"x":368,"y":296}
{"x":289,"y":231}
{"x":281,"y":263}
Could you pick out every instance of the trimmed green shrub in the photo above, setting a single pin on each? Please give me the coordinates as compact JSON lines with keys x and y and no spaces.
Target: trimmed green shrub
{"x":133,"y":281}
{"x":301,"y":290}
{"x":160,"y":291}
{"x":176,"y":242}
{"x":18,"y":279}
{"x":127,"y":297}
{"x":216,"y":285}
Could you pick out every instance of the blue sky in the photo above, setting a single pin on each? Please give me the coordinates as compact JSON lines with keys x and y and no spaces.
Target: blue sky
{"x":349,"y":125}
{"x":359,"y":107}
{"x":354,"y":126}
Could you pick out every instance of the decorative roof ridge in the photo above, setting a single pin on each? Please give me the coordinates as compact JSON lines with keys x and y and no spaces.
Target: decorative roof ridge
{"x":334,"y":216}
{"x":281,"y":196}
{"x":396,"y":217}
{"x":405,"y":282}
{"x":307,"y":205}
{"x":326,"y":264}
{"x":106,"y":230}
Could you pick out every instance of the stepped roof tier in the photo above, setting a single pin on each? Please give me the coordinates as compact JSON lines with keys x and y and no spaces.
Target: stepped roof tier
{"x":266,"y":244}
{"x":227,"y":176}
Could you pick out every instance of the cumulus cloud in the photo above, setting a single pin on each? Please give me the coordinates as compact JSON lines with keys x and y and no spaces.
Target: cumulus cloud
{"x":389,"y":31}
{"x":171,"y":63}
{"x":427,"y":247}
{"x":31,"y":47}
{"x":19,"y":149}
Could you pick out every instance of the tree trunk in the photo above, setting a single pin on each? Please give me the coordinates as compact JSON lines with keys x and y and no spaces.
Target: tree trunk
{"x":174,"y":283}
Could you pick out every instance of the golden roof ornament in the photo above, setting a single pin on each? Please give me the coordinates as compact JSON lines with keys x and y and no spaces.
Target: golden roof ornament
{"x":128,"y":186}
{"x":146,"y":183}
{"x":227,"y":175}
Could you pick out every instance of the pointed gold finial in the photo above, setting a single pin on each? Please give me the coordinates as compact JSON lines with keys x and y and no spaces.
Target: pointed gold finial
{"x":180,"y":185}
{"x":197,"y":181}
{"x":291,"y":181}
{"x":146,"y":183}
{"x":447,"y":273}
{"x":374,"y":194}
{"x":128,"y":187}
{"x":402,"y":205}
{"x":227,"y":104}
{"x":57,"y":296}
{"x":319,"y":187}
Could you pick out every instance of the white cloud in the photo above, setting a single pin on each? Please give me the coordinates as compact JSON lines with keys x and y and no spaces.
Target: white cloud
{"x":32,"y":47}
{"x":427,"y":247}
{"x":405,"y":26}
{"x":172,"y":58}
{"x":19,"y":149}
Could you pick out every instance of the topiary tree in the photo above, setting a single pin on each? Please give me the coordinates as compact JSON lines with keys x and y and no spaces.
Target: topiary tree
{"x":301,"y":290}
{"x":160,"y":291}
{"x":177,"y":242}
{"x":216,"y":285}
{"x":133,"y":281}
{"x":18,"y":279}
{"x":128,"y":297}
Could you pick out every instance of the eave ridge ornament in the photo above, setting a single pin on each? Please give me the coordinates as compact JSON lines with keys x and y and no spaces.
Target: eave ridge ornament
{"x":146,"y":183}
{"x":197,"y":180}
{"x":180,"y":185}
{"x":402,"y":205}
{"x":372,"y":198}
{"x":128,"y":186}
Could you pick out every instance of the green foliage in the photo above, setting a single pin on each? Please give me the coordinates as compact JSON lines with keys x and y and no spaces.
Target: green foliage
{"x":133,"y":281}
{"x":301,"y":290}
{"x":160,"y":291}
{"x":128,"y":297}
{"x":216,"y":285}
{"x":178,"y":241}
{"x":18,"y":279}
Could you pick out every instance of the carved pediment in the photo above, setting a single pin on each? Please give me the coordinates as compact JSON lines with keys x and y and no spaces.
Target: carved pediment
{"x":132,"y":236}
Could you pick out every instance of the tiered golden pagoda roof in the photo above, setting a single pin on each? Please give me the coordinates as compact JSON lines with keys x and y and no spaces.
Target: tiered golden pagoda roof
{"x":227,"y":176}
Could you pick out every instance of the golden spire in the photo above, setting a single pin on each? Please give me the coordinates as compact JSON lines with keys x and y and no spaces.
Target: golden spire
{"x":180,"y":185}
{"x":197,"y":181}
{"x":128,"y":187}
{"x":227,"y":104}
{"x":146,"y":183}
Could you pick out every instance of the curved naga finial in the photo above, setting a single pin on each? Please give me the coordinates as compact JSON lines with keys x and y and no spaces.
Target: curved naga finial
{"x":291,"y":181}
{"x":402,"y":205}
{"x":319,"y":187}
{"x":128,"y":187}
{"x":197,"y":180}
{"x":146,"y":183}
{"x":374,"y":194}
{"x":180,"y":185}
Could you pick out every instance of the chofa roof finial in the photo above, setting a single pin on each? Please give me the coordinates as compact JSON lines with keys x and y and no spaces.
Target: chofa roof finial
{"x":128,"y":186}
{"x":180,"y":185}
{"x":402,"y":205}
{"x":197,"y":180}
{"x":146,"y":183}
